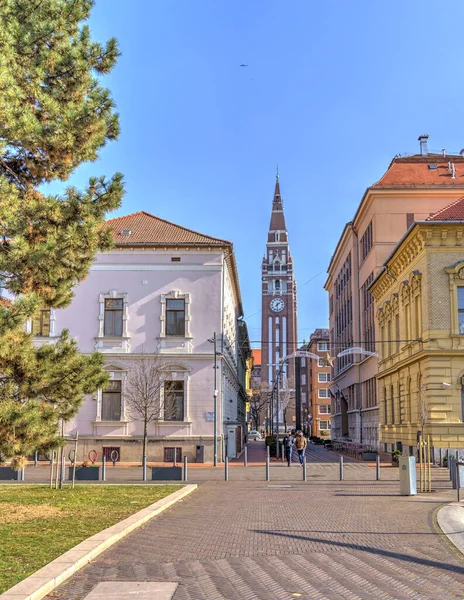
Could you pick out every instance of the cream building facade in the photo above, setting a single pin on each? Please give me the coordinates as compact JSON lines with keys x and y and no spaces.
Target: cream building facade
{"x":413,"y":188}
{"x":419,"y":297}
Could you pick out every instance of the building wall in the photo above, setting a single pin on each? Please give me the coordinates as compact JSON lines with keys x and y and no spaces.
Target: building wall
{"x":420,"y":373}
{"x":320,"y":407}
{"x":355,"y":413}
{"x":144,"y":277}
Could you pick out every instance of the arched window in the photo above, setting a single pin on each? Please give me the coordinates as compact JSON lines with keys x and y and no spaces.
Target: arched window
{"x":277,"y":236}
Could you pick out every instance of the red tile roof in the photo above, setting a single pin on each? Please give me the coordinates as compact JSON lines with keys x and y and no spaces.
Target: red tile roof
{"x":414,"y":171}
{"x":452,"y":212}
{"x":145,"y":228}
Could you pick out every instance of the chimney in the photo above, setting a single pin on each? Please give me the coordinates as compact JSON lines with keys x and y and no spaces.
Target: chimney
{"x":444,"y":152}
{"x":453,"y":171}
{"x":423,"y":144}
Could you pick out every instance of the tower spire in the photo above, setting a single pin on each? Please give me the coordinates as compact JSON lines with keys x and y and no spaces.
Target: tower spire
{"x":277,"y":215}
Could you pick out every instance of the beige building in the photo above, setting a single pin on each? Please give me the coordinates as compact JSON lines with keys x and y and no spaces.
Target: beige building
{"x":419,"y":296}
{"x":413,"y":188}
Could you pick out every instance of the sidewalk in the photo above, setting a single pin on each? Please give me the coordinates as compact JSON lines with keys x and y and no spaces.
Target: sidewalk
{"x":321,"y":540}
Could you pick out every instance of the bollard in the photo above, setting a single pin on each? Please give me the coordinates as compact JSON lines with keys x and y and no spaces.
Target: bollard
{"x":226,"y":469}
{"x":341,"y":468}
{"x":283,"y":453}
{"x":144,"y":468}
{"x":104,"y":468}
{"x":268,"y":470}
{"x":304,"y":467}
{"x":245,"y":457}
{"x":185,"y":468}
{"x":23,"y":472}
{"x":377,"y":468}
{"x":175,"y":457}
{"x":458,"y":481}
{"x":63,"y":470}
{"x":36,"y":458}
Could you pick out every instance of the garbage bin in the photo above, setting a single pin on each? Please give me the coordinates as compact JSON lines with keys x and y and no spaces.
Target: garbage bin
{"x":408,"y":479}
{"x":200,"y":454}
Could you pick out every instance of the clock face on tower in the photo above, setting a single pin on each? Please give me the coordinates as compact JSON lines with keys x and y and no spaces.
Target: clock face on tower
{"x":277,"y":305}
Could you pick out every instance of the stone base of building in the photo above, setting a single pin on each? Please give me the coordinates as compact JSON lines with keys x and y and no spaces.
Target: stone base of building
{"x":129,"y":450}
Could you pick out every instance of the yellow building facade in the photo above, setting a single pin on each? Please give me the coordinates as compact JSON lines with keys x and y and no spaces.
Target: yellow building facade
{"x":419,"y":301}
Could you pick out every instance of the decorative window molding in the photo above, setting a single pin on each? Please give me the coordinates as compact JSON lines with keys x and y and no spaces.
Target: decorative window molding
{"x":456,"y":285}
{"x":47,"y":339}
{"x":168,"y":343}
{"x":117,"y":373}
{"x":177,"y":372}
{"x":116,"y":344}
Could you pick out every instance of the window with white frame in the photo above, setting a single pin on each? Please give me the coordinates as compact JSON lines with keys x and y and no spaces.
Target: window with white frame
{"x":322,"y":393}
{"x":325,"y":409}
{"x":322,"y":346}
{"x":323,"y":377}
{"x":303,"y":361}
{"x":321,"y":362}
{"x":113,"y":319}
{"x":111,"y":402}
{"x":41,"y":323}
{"x":173,"y":400}
{"x":175,"y":315}
{"x":303,"y":379}
{"x":324,"y":425}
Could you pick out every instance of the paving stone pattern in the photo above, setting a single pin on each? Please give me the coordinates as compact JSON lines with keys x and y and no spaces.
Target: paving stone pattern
{"x":323,"y":539}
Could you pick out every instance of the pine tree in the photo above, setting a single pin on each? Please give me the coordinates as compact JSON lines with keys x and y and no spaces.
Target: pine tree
{"x":54,"y":115}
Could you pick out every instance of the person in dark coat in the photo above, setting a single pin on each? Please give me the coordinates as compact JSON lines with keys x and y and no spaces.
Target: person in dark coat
{"x":288,"y":445}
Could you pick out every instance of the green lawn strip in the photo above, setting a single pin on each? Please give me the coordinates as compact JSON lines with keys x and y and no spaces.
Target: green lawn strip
{"x":57,"y":520}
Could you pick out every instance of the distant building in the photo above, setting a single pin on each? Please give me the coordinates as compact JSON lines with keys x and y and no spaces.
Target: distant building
{"x":419,"y":296}
{"x":164,"y":290}
{"x":279,"y":310}
{"x":413,"y":188}
{"x":315,"y":383}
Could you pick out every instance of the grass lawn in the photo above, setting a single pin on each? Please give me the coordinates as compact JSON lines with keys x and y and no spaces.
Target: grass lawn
{"x":38,"y":524}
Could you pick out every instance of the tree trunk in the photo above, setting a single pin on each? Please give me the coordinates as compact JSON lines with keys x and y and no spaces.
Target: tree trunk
{"x":145,"y":445}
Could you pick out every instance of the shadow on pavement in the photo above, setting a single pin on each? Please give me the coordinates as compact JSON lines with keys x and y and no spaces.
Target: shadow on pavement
{"x":398,"y":555}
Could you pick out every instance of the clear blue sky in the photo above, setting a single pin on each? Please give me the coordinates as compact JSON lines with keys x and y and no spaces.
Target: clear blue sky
{"x":333,"y":91}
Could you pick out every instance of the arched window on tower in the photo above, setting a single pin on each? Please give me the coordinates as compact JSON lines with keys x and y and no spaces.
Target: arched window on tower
{"x":277,"y":285}
{"x":277,"y":236}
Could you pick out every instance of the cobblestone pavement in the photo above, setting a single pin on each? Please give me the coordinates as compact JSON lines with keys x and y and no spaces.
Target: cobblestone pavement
{"x":323,"y":539}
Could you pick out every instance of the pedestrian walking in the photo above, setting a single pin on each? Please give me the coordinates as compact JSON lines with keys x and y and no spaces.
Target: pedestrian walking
{"x":300,"y":443}
{"x":288,"y":445}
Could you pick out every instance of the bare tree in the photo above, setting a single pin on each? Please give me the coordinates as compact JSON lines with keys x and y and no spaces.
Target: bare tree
{"x":258,"y":403}
{"x":146,"y":381}
{"x":422,"y":407}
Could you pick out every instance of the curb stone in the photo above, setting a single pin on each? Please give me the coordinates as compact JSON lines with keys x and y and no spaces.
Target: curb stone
{"x":46,"y":579}
{"x":450,"y":518}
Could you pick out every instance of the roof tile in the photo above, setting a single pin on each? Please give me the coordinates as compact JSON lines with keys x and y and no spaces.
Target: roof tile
{"x":414,"y":171}
{"x":452,"y":212}
{"x":143,"y":228}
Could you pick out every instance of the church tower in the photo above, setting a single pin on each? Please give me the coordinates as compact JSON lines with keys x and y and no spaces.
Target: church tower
{"x":279,"y":323}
